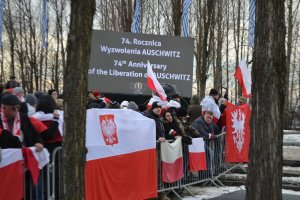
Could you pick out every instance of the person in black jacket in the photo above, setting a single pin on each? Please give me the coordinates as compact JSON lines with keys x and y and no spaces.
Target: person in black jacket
{"x":16,"y":130}
{"x":170,"y":125}
{"x":154,"y":113}
{"x":205,"y":126}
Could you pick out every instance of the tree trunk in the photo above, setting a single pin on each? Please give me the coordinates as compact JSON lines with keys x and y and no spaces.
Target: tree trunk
{"x":176,"y":8}
{"x":207,"y":16}
{"x":218,"y":72}
{"x":288,"y":62}
{"x":75,"y":85}
{"x":268,"y":76}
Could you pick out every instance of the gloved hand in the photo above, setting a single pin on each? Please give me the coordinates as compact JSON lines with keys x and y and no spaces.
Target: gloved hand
{"x":172,"y":132}
{"x":211,"y":136}
{"x":186,"y":140}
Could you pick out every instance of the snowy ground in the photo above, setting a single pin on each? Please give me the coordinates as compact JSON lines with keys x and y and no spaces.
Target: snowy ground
{"x":291,"y":138}
{"x":211,"y":192}
{"x":287,"y":180}
{"x":290,"y":152}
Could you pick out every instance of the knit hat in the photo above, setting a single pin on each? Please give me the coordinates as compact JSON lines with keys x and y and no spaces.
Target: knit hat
{"x":10,"y":100}
{"x":18,"y":90}
{"x":213,"y":92}
{"x":133,"y":106}
{"x":96,"y":93}
{"x":124,"y":105}
{"x":31,"y":99}
{"x":155,"y":105}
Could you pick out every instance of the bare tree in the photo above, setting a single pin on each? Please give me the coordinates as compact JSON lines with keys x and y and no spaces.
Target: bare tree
{"x":268,"y":74}
{"x":75,"y":84}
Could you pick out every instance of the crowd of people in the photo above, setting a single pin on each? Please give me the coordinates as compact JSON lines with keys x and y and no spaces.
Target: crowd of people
{"x":33,"y":119}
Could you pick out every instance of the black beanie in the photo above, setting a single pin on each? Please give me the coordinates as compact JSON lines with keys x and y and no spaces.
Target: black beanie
{"x":155,"y":105}
{"x":10,"y":100}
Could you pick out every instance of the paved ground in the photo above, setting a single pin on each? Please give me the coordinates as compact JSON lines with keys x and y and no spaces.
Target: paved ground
{"x":240,"y":195}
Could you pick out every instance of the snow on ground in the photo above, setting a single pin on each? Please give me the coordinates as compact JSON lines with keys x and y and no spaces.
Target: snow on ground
{"x":291,"y":169}
{"x":212,"y":192}
{"x":292,"y":138}
{"x":242,"y":177}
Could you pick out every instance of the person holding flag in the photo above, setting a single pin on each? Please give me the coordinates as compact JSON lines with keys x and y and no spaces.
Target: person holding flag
{"x":210,"y":103}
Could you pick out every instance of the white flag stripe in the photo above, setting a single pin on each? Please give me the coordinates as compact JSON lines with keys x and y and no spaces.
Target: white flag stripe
{"x":197,"y":145}
{"x":42,"y":157}
{"x":170,"y":152}
{"x":246,"y":76}
{"x":159,"y":89}
{"x":10,"y":156}
{"x":130,"y":125}
{"x":209,"y":104}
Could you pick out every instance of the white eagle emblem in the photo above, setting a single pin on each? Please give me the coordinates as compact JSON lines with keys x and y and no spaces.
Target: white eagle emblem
{"x":238,"y":120}
{"x":108,"y":128}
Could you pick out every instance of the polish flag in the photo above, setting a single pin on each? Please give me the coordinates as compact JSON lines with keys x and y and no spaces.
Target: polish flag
{"x":209,"y":104}
{"x":243,"y":75}
{"x":121,"y":159}
{"x":35,"y":161}
{"x":172,"y":161}
{"x":153,"y":83}
{"x":197,"y":158}
{"x":237,"y":132}
{"x":11,"y":174}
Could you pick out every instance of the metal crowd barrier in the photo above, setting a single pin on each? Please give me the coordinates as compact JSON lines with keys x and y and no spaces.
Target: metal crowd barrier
{"x":48,"y":185}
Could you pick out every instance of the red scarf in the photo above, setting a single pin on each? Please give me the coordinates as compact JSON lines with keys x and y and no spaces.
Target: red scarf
{"x":16,"y":126}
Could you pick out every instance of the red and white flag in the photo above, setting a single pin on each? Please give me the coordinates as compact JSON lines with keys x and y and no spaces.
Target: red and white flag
{"x":34,"y":161}
{"x":153,"y":83}
{"x":11,"y":174}
{"x":197,"y":157}
{"x":12,"y":170}
{"x":237,"y":132}
{"x":121,"y":159}
{"x":243,"y":75}
{"x":209,"y":104}
{"x":171,"y":160}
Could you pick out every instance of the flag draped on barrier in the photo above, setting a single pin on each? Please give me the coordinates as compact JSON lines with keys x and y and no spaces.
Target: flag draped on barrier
{"x":12,"y":170}
{"x":136,"y":17}
{"x":237,"y":132}
{"x":243,"y":75}
{"x":121,"y":159}
{"x":44,"y":24}
{"x":153,"y":83}
{"x":2,"y":3}
{"x":251,"y":22}
{"x":197,"y":158}
{"x":185,"y":17}
{"x":11,"y":174}
{"x":172,"y":161}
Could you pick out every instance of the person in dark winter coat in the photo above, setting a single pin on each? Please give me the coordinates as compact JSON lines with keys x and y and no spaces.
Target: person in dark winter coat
{"x":154,"y":113}
{"x":170,"y":125}
{"x":17,"y":130}
{"x":195,"y":109}
{"x":205,"y":126}
{"x":45,"y":112}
